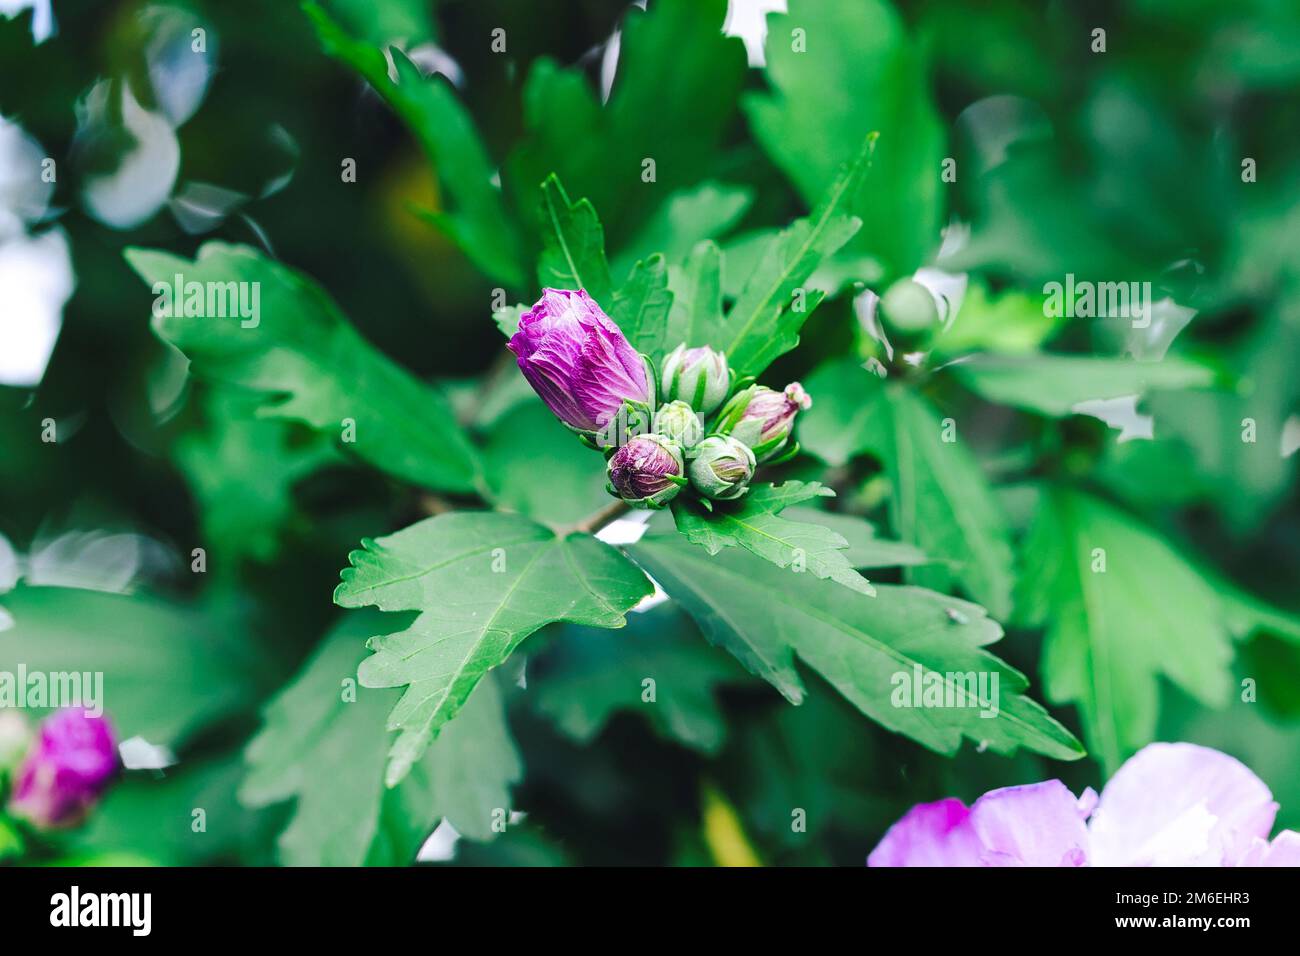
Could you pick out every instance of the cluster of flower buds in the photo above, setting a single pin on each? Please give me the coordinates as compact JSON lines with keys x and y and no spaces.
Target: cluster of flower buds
{"x":65,"y":770}
{"x":708,"y":435}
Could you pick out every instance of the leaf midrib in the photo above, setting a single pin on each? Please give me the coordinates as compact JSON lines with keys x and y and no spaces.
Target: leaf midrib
{"x":830,"y":210}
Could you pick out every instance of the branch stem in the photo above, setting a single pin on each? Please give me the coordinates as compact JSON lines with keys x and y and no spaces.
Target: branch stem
{"x":598,"y":519}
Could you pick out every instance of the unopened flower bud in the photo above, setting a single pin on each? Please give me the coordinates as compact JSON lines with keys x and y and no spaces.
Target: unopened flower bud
{"x":678,"y":421}
{"x":763,"y":418}
{"x":66,"y":771}
{"x":580,"y":363}
{"x":647,"y":472}
{"x":721,"y":467}
{"x":908,"y":306}
{"x":699,"y":377}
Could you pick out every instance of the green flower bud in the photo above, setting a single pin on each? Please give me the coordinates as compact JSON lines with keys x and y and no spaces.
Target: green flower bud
{"x":908,"y":306}
{"x":721,"y":467}
{"x":647,"y":472}
{"x":678,"y":421}
{"x":699,"y":377}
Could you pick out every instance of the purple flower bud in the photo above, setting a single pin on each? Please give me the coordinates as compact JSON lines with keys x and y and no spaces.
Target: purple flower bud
{"x":67,"y":770}
{"x":647,"y":471}
{"x":699,"y":377}
{"x":763,"y":418}
{"x":578,"y":360}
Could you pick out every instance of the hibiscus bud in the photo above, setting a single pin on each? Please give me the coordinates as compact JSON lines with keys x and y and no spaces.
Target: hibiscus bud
{"x":763,"y":418}
{"x":67,"y":769}
{"x":678,"y":421}
{"x":647,"y":472}
{"x":908,"y":306}
{"x":581,"y":365}
{"x":699,"y":377}
{"x":721,"y":467}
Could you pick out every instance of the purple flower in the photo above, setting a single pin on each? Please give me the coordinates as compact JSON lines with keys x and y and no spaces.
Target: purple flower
{"x":67,"y":770}
{"x":1168,"y":805}
{"x":763,"y":418}
{"x":578,"y":360}
{"x":647,"y":471}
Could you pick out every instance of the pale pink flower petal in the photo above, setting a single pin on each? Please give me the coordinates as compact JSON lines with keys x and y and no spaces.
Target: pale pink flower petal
{"x":1040,"y":824}
{"x":1180,"y":805}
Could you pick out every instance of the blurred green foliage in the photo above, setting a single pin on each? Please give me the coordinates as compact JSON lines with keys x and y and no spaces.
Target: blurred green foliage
{"x":1118,"y":165}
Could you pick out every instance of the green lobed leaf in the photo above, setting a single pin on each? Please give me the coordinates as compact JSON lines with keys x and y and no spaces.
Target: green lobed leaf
{"x":1247,"y":615}
{"x":535,"y":466}
{"x":857,"y":71}
{"x":673,"y":99}
{"x":766,"y":617}
{"x":641,"y":308}
{"x":765,"y":321}
{"x":588,"y":675}
{"x":686,"y":218}
{"x":865,"y":549}
{"x":242,"y":469}
{"x":696,"y":317}
{"x":323,"y":744}
{"x":941,"y":501}
{"x":480,"y":224}
{"x":753,"y":522}
{"x":312,"y":366}
{"x":483,"y":582}
{"x":573,"y":245}
{"x":1122,"y":609}
{"x":1011,"y":322}
{"x":1055,"y":384}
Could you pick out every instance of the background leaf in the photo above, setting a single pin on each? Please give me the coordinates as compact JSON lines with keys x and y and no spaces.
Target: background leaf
{"x":1112,"y":632}
{"x":324,"y":745}
{"x":674,"y":96}
{"x":940,"y":499}
{"x":587,"y":676}
{"x":479,"y":225}
{"x":537,"y":467}
{"x":312,"y":366}
{"x":862,"y":72}
{"x":765,"y":320}
{"x":242,"y":469}
{"x":168,"y":671}
{"x":1055,"y":384}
